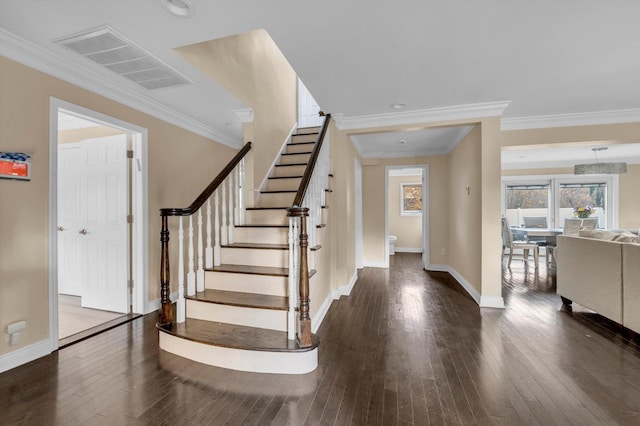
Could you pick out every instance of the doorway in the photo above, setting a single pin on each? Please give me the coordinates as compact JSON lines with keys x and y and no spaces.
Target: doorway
{"x":406,"y":211}
{"x":97,"y":247}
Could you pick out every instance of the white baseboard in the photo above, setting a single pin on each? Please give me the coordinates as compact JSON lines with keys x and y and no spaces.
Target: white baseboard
{"x":368,"y":264}
{"x":408,"y":249}
{"x":24,"y":355}
{"x":344,"y":290}
{"x":482,"y":301}
{"x":154,"y":305}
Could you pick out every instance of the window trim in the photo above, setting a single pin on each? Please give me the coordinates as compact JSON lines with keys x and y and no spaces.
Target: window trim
{"x":410,"y":213}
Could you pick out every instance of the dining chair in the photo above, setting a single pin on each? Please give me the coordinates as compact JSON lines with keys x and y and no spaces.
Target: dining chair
{"x":590,"y":223}
{"x":535,"y":222}
{"x":571,"y":226}
{"x":508,"y":242}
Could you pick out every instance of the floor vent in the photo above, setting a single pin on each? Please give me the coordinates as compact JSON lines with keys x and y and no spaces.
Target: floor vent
{"x":106,"y":47}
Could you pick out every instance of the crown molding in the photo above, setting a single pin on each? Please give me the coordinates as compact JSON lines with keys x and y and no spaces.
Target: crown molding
{"x":244,"y":114}
{"x":35,"y":56}
{"x":423,"y":116}
{"x":569,"y":120}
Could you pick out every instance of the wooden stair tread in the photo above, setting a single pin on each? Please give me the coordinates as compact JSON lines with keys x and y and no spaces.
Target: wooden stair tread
{"x":236,"y":336}
{"x":263,"y":226}
{"x":258,"y":246}
{"x":300,"y":143}
{"x":292,"y":164}
{"x":279,"y":191}
{"x":246,"y":300}
{"x":285,"y":177}
{"x":266,"y":208}
{"x":296,"y":153}
{"x":311,"y":131}
{"x":248,"y":269}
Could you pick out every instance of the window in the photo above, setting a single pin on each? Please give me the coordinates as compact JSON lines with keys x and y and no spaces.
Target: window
{"x":411,"y":201}
{"x":555,"y":197}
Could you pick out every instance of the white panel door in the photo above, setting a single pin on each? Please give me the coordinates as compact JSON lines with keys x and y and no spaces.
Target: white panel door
{"x":308,"y":108}
{"x":71,"y":185}
{"x":92,"y":210}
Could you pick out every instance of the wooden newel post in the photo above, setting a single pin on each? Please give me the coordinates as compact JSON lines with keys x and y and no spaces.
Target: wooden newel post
{"x":166,"y":313}
{"x":304,"y":336}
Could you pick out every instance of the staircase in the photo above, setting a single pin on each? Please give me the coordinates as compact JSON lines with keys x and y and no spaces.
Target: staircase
{"x":241,"y":317}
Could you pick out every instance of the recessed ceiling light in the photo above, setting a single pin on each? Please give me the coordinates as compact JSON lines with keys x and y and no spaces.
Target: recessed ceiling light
{"x":399,"y":105}
{"x":180,"y":8}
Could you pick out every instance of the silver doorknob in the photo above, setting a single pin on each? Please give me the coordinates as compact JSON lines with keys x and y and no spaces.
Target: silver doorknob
{"x":60,"y":228}
{"x":83,"y":232}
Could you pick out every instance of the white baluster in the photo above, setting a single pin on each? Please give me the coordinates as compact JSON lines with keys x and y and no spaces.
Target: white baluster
{"x":181,"y":305}
{"x":216,"y":230}
{"x":236,"y":206}
{"x":191,"y":273}
{"x":223,"y":229}
{"x":209,"y":249}
{"x":230,"y":226}
{"x":242,"y":194}
{"x":200,"y":272}
{"x":293,"y":288}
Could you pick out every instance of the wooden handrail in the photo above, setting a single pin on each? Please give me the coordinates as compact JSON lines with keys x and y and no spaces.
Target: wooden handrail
{"x":311,"y":165}
{"x":208,"y":191}
{"x":166,"y":313}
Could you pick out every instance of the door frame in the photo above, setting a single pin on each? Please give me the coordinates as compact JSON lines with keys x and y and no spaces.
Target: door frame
{"x":139,"y":196}
{"x":357,"y":166}
{"x":426,"y":257}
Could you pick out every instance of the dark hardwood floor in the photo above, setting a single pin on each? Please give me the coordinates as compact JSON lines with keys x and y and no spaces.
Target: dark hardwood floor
{"x":407,"y":347}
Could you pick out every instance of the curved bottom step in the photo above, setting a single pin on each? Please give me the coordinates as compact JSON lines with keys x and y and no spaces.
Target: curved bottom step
{"x":223,"y":346}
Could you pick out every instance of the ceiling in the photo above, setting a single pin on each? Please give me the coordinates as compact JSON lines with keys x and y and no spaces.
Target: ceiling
{"x":544,"y":59}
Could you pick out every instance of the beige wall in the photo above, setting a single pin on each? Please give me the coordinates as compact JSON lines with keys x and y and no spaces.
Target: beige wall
{"x":77,"y":135}
{"x":373,"y":180}
{"x":629,"y":200}
{"x":24,"y":210}
{"x":408,"y":229}
{"x":251,"y":66}
{"x":465,"y":208}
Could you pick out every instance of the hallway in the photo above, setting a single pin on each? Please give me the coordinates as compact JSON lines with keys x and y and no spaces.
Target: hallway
{"x":407,"y":347}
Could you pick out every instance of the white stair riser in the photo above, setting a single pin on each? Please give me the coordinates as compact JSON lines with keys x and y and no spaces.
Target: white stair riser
{"x":299,"y":147}
{"x":288,"y":184}
{"x":271,"y":319}
{"x":241,"y":359}
{"x":262,"y":235}
{"x":289,"y":171}
{"x":275,"y":199}
{"x":304,"y":138}
{"x":294,"y":159}
{"x":266,"y":217}
{"x":254,"y":257}
{"x":246,"y":283}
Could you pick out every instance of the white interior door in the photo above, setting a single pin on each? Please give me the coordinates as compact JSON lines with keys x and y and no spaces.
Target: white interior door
{"x":71,"y":185}
{"x":308,"y":108}
{"x":101,"y":226}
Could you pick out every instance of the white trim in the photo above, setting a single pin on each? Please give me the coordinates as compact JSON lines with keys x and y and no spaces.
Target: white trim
{"x":369,"y":264}
{"x":24,"y":355}
{"x":432,"y":115}
{"x":263,"y":184}
{"x":317,"y":319}
{"x":408,"y":249}
{"x":345,"y":290}
{"x":496,"y":302}
{"x":81,"y":75}
{"x":244,"y":114}
{"x":358,"y":213}
{"x":154,"y":305}
{"x":568,"y":120}
{"x":482,"y":301}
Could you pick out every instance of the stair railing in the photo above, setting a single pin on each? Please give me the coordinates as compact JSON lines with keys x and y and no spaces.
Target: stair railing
{"x":208,"y":238}
{"x":308,"y":203}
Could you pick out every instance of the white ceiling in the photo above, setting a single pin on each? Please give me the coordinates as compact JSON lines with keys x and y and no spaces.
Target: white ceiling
{"x":548,"y":57}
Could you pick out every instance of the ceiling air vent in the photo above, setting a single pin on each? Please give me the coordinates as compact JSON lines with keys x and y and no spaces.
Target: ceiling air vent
{"x":106,"y":47}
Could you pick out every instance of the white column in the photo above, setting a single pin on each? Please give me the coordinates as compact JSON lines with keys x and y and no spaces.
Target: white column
{"x":209,"y":249}
{"x":200,"y":272}
{"x":230,"y":226}
{"x":181,"y":305}
{"x":191,"y":274}
{"x":216,"y":230}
